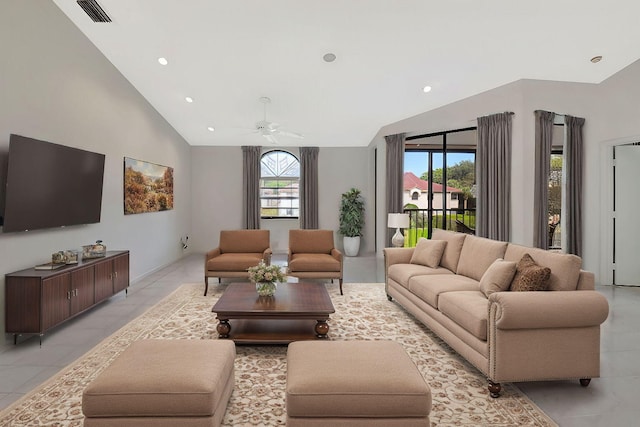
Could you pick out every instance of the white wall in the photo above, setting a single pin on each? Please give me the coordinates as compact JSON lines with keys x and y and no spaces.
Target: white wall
{"x":217,"y":194}
{"x":56,"y":86}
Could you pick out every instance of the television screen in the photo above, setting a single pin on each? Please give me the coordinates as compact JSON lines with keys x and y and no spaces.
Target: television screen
{"x":51,"y":185}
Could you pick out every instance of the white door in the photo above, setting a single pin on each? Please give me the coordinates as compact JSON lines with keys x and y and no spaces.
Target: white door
{"x":627,"y":215}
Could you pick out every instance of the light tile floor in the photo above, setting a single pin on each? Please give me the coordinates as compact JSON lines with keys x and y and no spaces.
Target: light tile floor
{"x":611,"y":400}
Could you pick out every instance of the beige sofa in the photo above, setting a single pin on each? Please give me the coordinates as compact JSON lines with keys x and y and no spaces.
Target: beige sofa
{"x":509,"y":336}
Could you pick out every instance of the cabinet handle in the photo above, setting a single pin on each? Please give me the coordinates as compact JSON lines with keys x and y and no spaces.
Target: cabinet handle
{"x":68,"y":295}
{"x":75,"y":292}
{"x":116,"y":273}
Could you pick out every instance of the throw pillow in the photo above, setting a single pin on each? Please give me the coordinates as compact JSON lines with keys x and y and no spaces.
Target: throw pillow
{"x":530,"y":276}
{"x":498,"y":277}
{"x":428,"y":252}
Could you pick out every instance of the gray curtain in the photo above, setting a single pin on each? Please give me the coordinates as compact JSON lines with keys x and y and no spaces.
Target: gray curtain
{"x":493,"y":173}
{"x":251,"y":187}
{"x":395,"y":175}
{"x":309,"y":187}
{"x":573,"y":173}
{"x":543,"y":141}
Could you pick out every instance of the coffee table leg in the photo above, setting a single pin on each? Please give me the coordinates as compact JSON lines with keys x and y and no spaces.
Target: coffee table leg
{"x":322,"y":328}
{"x":223,"y":328}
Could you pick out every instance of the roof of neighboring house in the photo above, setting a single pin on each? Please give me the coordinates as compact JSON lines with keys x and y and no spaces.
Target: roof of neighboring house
{"x":411,"y":181}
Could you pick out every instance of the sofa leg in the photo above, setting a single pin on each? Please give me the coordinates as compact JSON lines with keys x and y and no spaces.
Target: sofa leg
{"x":389,"y":297}
{"x":494,"y":389}
{"x":219,"y":279}
{"x":206,"y":285}
{"x":340,"y":286}
{"x":585,"y":381}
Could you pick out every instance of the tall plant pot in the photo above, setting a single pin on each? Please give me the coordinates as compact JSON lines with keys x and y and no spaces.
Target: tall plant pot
{"x":351,"y":245}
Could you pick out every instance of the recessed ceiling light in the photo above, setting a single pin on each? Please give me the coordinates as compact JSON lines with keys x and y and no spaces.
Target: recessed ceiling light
{"x":426,"y":89}
{"x":163,"y":61}
{"x":329,"y":57}
{"x":596,"y":59}
{"x":188,"y":99}
{"x":211,"y":129}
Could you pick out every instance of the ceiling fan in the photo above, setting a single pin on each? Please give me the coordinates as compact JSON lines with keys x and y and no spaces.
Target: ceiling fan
{"x":270,"y":129}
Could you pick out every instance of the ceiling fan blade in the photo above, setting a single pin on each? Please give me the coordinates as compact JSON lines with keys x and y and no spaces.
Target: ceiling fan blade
{"x":272,"y":139}
{"x":290,"y":134}
{"x":269,"y":129}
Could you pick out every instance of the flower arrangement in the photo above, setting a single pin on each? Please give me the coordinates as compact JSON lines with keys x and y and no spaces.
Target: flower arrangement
{"x":266,"y":273}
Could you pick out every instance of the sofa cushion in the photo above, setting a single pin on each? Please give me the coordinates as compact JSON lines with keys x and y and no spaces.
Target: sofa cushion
{"x":498,"y":277}
{"x":530,"y":276}
{"x":313,"y":262}
{"x":565,"y":268}
{"x":428,"y":252}
{"x":233,"y":261}
{"x":451,"y":254}
{"x":311,"y":241}
{"x":469,"y":309}
{"x":428,"y":288}
{"x":401,"y":273}
{"x":244,"y":241}
{"x":478,"y":254}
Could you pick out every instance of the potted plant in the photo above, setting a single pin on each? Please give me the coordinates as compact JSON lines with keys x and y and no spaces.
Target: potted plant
{"x":351,"y":220}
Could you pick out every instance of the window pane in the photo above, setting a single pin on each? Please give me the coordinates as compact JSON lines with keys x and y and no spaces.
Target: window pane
{"x":279,"y":185}
{"x":555,"y":200}
{"x":279,"y":164}
{"x":436,"y":204}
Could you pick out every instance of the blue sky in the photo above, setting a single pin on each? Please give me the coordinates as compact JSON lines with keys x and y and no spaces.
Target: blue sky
{"x":418,"y":161}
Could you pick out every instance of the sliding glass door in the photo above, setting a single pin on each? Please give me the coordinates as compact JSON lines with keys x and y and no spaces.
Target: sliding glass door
{"x":439,"y":183}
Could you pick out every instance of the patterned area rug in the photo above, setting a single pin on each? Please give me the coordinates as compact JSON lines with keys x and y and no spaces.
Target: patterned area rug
{"x":460,"y":396}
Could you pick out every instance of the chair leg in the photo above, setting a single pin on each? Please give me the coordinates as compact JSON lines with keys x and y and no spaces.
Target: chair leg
{"x":206,"y":285}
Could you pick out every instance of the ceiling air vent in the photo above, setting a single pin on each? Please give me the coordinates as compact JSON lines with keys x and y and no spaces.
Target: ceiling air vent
{"x":93,"y":9}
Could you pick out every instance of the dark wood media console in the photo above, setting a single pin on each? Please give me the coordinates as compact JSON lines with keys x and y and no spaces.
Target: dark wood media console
{"x":38,"y":300}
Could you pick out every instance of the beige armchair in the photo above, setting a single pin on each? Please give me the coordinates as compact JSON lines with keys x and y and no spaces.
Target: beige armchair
{"x":312,"y":255}
{"x":237,"y":251}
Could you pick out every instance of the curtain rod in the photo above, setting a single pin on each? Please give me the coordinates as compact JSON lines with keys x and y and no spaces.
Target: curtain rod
{"x":556,"y":116}
{"x":444,"y":132}
{"x":511,"y":113}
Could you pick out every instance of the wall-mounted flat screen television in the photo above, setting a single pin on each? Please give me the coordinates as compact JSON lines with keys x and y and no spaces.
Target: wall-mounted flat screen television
{"x":51,"y":185}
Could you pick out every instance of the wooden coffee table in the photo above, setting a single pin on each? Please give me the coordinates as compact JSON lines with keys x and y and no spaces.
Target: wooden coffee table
{"x":298,"y":311}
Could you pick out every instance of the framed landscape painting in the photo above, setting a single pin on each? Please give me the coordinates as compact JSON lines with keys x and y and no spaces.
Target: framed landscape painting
{"x":148,"y":187}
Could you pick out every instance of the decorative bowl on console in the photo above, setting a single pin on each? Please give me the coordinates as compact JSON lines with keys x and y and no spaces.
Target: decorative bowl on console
{"x":96,"y":250}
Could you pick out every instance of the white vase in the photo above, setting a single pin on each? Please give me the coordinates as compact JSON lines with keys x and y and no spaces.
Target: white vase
{"x":351,"y":245}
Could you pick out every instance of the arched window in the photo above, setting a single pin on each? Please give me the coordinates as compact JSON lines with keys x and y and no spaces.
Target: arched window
{"x":415,"y":195}
{"x":279,"y":185}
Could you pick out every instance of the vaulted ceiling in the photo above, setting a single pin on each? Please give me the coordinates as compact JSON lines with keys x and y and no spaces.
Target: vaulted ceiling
{"x":226,"y":55}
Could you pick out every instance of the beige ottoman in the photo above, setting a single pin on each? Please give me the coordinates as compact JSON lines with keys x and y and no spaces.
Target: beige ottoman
{"x":163,"y":383}
{"x":354,"y":383}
